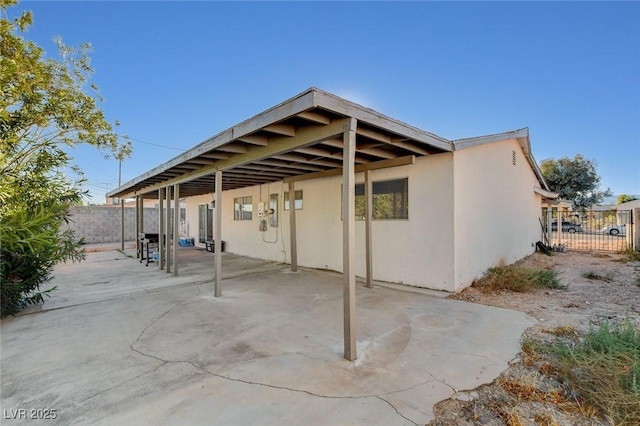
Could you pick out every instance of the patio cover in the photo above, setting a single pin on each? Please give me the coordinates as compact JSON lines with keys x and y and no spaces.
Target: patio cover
{"x":299,"y":136}
{"x":312,"y":135}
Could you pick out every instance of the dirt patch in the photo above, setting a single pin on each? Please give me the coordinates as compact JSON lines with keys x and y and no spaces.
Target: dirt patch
{"x":599,"y":287}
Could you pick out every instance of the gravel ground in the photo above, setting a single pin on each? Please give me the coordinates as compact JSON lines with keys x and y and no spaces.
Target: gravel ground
{"x":527,"y":393}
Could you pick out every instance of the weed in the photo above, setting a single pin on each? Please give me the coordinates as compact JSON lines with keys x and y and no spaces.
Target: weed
{"x":563,"y":331}
{"x":604,"y":371}
{"x":532,"y":351}
{"x":545,"y":419}
{"x":629,"y":255}
{"x":517,"y":278}
{"x":590,"y":275}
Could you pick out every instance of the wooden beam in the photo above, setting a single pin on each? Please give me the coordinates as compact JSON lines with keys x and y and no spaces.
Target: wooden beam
{"x":232,"y":175}
{"x":122,"y":224}
{"x":235,"y":148}
{"x":255,"y":140}
{"x":277,"y":147}
{"x":368,"y":201}
{"x":218,"y":237}
{"x":315,"y":117}
{"x":136,"y":226}
{"x":168,"y":229}
{"x":336,"y":143}
{"x":286,"y":165}
{"x":141,"y":212}
{"x":348,"y":240}
{"x":412,"y":148}
{"x":161,"y":241}
{"x":320,"y":152}
{"x":176,"y":226}
{"x":187,"y":166}
{"x":372,"y":134}
{"x":281,"y":129}
{"x":377,"y":152}
{"x":365,"y":145}
{"x":383,"y":164}
{"x":205,"y":161}
{"x":280,"y":145}
{"x":299,"y":103}
{"x":292,"y":225}
{"x":265,"y":171}
{"x":301,"y":159}
{"x":214,"y":155}
{"x":331,"y":102}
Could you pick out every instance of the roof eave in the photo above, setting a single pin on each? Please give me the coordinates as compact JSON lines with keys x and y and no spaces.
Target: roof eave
{"x":521,"y":135}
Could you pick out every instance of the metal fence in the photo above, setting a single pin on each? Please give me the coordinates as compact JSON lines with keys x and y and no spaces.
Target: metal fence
{"x":589,"y":230}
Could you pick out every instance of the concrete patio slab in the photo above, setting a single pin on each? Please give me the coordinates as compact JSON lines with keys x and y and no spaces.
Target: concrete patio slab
{"x":121,"y":343}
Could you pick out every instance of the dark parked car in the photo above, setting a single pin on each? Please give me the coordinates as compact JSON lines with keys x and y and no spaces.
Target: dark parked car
{"x":567,"y":227}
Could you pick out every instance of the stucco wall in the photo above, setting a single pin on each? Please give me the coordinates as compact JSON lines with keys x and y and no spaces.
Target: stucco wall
{"x":101,"y":224}
{"x":468,"y":210}
{"x":418,"y":251}
{"x":496,"y":209}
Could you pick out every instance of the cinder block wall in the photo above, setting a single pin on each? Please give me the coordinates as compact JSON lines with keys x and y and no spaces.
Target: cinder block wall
{"x":101,"y":224}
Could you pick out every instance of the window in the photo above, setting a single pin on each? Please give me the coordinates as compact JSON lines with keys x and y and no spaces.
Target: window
{"x":390,"y":200}
{"x":243,"y":208}
{"x":298,"y":202}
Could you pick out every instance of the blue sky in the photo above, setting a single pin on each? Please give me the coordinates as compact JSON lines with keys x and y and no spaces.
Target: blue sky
{"x":176,"y":73}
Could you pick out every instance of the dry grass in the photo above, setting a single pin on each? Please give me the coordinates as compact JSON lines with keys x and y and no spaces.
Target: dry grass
{"x":513,"y":418}
{"x":604,"y":371}
{"x":517,"y":278}
{"x":528,"y":388}
{"x":545,"y":420}
{"x":563,"y":331}
{"x":532,"y":352}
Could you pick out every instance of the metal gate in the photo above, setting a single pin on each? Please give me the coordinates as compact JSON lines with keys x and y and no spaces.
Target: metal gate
{"x":589,"y":230}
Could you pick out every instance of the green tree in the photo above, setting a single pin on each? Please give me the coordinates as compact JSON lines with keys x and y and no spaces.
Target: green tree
{"x":623,"y":198}
{"x":45,"y":111}
{"x":575,"y":180}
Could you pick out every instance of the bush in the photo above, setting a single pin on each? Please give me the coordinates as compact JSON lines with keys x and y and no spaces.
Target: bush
{"x":517,"y":278}
{"x":47,"y":108}
{"x":31,"y":246}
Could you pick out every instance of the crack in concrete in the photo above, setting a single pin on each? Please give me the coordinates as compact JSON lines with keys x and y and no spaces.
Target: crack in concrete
{"x":267,"y":385}
{"x":153,"y":322}
{"x":165,"y":362}
{"x":442,"y":381}
{"x":396,"y":410}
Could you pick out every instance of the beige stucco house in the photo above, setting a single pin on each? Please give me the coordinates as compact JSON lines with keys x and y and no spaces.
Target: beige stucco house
{"x":372,"y":197}
{"x":459,"y":206}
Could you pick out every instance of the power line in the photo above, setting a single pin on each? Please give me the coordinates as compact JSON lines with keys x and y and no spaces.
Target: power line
{"x":153,"y":144}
